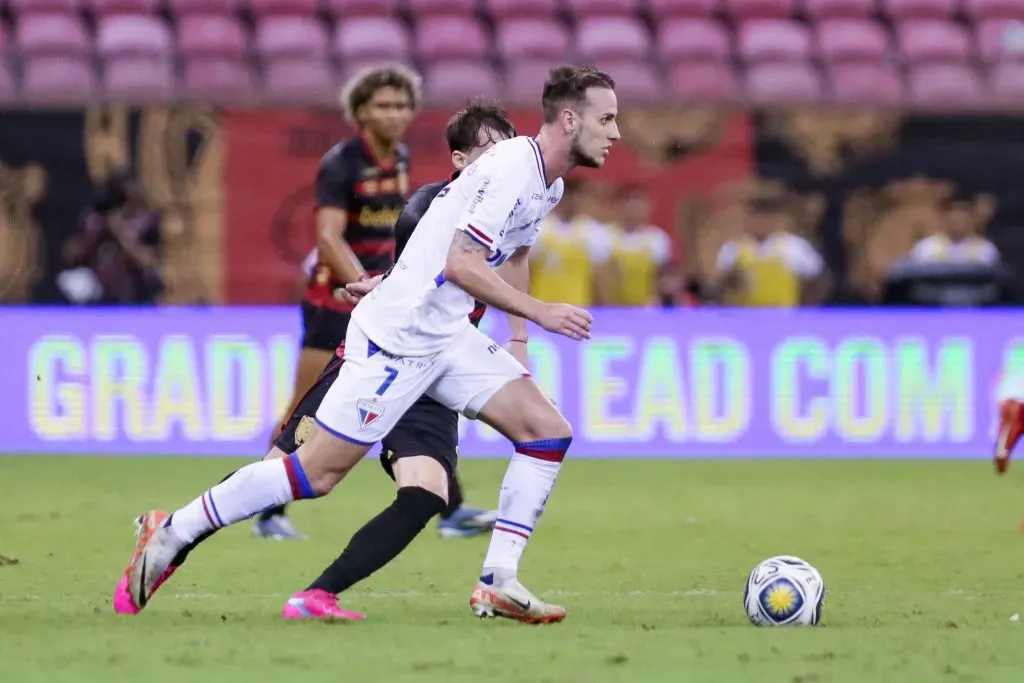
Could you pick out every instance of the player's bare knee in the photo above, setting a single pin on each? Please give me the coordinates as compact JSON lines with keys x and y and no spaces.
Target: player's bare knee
{"x":423,"y":472}
{"x":548,"y":424}
{"x":326,"y":460}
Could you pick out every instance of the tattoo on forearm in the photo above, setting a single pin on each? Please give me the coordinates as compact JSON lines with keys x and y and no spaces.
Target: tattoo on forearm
{"x":466,"y":244}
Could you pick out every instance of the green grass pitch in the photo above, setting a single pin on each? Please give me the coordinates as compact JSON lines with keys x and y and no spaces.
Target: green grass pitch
{"x":924,"y":565}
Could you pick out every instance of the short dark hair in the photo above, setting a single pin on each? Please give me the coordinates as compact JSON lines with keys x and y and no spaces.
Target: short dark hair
{"x":568,"y":85}
{"x":361,"y":88}
{"x":463,"y":130}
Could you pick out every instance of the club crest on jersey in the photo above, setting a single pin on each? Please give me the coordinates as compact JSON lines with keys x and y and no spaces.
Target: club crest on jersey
{"x":369,"y":412}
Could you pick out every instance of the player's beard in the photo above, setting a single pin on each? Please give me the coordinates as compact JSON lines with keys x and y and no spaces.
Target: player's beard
{"x":577,"y":157}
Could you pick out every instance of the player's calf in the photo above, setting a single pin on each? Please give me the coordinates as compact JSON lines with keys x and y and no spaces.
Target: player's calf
{"x":541,"y":437}
{"x":422,"y":493}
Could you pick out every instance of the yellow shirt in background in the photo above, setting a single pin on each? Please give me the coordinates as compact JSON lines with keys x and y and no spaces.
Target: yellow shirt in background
{"x":772,"y":269}
{"x":565,"y":259}
{"x":637,"y":257}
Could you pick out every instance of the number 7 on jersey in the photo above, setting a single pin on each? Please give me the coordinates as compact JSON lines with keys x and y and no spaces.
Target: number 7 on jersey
{"x":392,"y":374}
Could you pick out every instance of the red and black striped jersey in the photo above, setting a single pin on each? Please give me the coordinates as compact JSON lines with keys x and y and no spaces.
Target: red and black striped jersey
{"x":372,"y":192}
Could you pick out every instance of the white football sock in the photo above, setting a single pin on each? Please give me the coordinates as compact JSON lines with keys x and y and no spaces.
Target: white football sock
{"x":524,"y":493}
{"x":248,"y":491}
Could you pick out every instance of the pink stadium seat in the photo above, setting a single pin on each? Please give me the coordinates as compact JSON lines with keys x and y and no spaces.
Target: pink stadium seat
{"x":1000,"y":39}
{"x":22,"y":7}
{"x":534,"y":37}
{"x":361,"y":8}
{"x":601,"y":8}
{"x":919,"y":9}
{"x":759,"y":9}
{"x":299,"y":80}
{"x":944,"y":84}
{"x":932,"y":40}
{"x":434,"y":38}
{"x":218,"y":80}
{"x":784,"y":82}
{"x":863,"y":83}
{"x":425,"y":8}
{"x":371,"y":38}
{"x":761,"y":40}
{"x":611,"y":38}
{"x":838,"y":9}
{"x":305,"y":8}
{"x":522,"y":9}
{"x":107,"y":7}
{"x":671,"y":9}
{"x":852,"y":40}
{"x":133,"y":34}
{"x":58,"y":79}
{"x":979,"y":10}
{"x":53,"y":34}
{"x":689,"y":40}
{"x":293,"y":36}
{"x":635,"y":80}
{"x":704,"y":82}
{"x":452,"y":81}
{"x":139,"y":79}
{"x":1006,"y":82}
{"x":524,"y":80}
{"x":181,"y":8}
{"x":211,"y":35}
{"x":8,"y":89}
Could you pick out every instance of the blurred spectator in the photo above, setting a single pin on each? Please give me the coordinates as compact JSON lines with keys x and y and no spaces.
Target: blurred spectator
{"x":639,"y":250}
{"x":115,"y":257}
{"x":675,"y":290}
{"x":956,"y":241}
{"x":769,"y":265}
{"x":568,"y":262}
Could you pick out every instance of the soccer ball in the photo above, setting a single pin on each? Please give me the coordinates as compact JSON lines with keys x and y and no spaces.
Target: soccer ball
{"x":784,"y":591}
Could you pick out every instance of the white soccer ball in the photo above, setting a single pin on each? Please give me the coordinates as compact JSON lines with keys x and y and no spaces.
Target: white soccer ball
{"x":784,"y":591}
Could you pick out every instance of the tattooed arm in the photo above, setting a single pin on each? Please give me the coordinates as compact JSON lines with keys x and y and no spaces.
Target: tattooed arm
{"x":467,"y":267}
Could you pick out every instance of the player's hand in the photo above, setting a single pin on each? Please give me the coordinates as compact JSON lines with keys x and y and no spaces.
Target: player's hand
{"x":565,"y":320}
{"x":354,"y":291}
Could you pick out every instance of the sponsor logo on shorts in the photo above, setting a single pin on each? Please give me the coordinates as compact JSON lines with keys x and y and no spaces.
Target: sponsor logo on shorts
{"x":304,"y":430}
{"x":369,"y":412}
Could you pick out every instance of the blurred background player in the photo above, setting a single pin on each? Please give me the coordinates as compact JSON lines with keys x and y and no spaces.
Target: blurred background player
{"x":568,"y":262}
{"x":361,"y":187}
{"x":770,"y":265}
{"x":639,"y":251}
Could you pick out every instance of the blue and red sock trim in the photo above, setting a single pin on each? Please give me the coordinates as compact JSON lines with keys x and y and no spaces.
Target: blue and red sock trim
{"x":515,"y":528}
{"x":549,"y":450}
{"x":297,"y":478}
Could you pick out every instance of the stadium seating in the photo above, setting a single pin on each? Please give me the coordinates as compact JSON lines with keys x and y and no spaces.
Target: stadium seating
{"x":693,"y":39}
{"x":211,"y":35}
{"x":851,"y":40}
{"x":916,"y":51}
{"x":531,"y":37}
{"x":371,"y":38}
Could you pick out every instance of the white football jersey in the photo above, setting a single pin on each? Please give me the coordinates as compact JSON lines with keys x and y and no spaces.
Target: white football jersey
{"x":499,"y":201}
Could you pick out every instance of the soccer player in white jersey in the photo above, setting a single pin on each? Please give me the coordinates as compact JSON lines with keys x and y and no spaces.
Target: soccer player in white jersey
{"x":412,"y":336}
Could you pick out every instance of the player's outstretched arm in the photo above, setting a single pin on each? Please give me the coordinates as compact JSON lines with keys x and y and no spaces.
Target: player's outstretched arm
{"x":467,"y":267}
{"x":516,"y":272}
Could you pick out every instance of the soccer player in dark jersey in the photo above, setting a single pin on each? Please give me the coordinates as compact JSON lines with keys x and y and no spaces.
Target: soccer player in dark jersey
{"x":361,"y":187}
{"x":427,"y":430}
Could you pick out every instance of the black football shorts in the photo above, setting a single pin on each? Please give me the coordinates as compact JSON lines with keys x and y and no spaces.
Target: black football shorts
{"x":322,"y":328}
